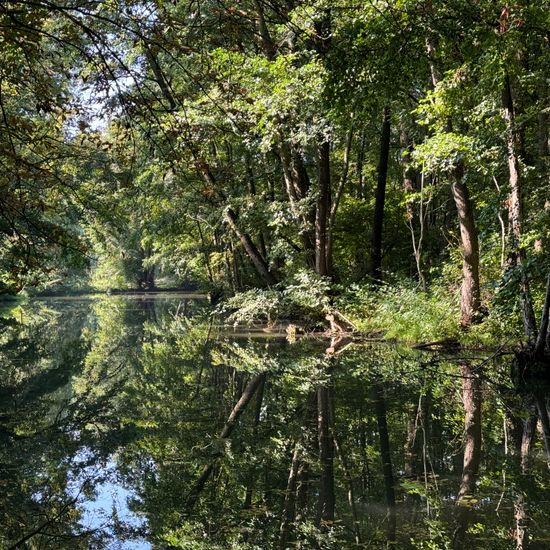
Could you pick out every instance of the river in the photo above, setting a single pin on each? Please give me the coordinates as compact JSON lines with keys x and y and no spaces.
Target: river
{"x":138,"y":422}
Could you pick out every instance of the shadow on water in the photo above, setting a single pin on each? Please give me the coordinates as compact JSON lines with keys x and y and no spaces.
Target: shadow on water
{"x":132,"y":422}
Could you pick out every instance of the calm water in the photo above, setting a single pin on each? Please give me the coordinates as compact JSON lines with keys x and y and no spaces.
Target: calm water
{"x":134,"y":422}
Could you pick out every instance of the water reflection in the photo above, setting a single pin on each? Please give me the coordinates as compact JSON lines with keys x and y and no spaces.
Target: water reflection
{"x":137,"y":423}
{"x":108,"y":510}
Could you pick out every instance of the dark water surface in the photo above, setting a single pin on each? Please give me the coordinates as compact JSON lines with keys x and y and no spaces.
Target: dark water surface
{"x":132,"y":422}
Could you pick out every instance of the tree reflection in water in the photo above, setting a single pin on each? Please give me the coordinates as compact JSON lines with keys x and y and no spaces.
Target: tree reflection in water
{"x":126,"y":424}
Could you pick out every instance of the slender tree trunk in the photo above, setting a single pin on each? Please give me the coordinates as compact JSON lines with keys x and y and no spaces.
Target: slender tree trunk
{"x":238,"y":267}
{"x":266,"y":41}
{"x":515,"y":214}
{"x":522,"y":521}
{"x":205,"y":253}
{"x":527,"y":438}
{"x":410,"y":186}
{"x":378,"y":225}
{"x":336,"y":201}
{"x":545,"y":423}
{"x":252,"y":191}
{"x":229,"y":266}
{"x":322,"y":38}
{"x":302,"y":490}
{"x":359,"y":167}
{"x":385,"y":454}
{"x":160,"y":78}
{"x":309,"y":440}
{"x":541,"y":343}
{"x":323,"y":210}
{"x":471,"y":397}
{"x":297,"y":185}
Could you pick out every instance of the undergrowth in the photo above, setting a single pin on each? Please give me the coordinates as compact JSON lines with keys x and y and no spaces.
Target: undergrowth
{"x":398,"y":310}
{"x":401,"y":311}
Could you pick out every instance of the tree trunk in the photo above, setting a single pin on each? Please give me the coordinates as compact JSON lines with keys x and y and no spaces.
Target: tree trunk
{"x":257,"y":415}
{"x":323,"y":210}
{"x":335,"y":203}
{"x":470,"y":301}
{"x":515,"y":214}
{"x":302,"y":490}
{"x":205,"y":254}
{"x":359,"y":167}
{"x":266,"y":41}
{"x":297,"y":185}
{"x":253,"y":253}
{"x":410,"y":185}
{"x":160,"y":78}
{"x":545,"y":423}
{"x":376,"y":253}
{"x":146,"y":279}
{"x":411,"y":445}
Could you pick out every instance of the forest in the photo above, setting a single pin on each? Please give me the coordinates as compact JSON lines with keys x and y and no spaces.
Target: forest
{"x":277,"y":269}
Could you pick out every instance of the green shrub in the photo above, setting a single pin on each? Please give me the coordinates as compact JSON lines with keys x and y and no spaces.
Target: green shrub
{"x":402,"y":311}
{"x":305,"y":296}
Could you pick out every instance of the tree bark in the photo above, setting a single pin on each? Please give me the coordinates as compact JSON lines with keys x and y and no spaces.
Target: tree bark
{"x":359,"y":166}
{"x":470,"y":302}
{"x":543,"y":334}
{"x":335,"y":203}
{"x":297,"y":185}
{"x":266,"y":41}
{"x":545,"y":423}
{"x":515,"y":207}
{"x":527,"y":438}
{"x":252,"y":251}
{"x":377,"y":229}
{"x":322,"y":210}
